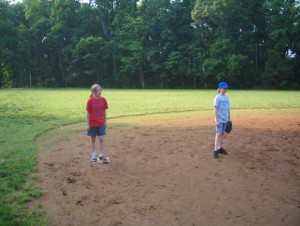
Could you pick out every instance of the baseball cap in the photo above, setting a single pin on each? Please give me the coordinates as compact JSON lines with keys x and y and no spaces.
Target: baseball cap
{"x":223,"y":85}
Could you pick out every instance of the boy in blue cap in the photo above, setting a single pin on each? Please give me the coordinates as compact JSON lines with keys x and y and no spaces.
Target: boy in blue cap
{"x":222,"y":116}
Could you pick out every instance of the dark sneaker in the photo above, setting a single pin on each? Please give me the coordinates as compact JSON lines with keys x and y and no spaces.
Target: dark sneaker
{"x":222,"y":151}
{"x":103,"y":159}
{"x":216,"y":154}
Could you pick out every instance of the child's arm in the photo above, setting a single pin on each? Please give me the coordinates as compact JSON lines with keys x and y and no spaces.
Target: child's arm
{"x":88,"y":127}
{"x":216,"y":117}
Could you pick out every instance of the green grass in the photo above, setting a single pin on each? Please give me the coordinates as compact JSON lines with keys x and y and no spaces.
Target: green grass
{"x":25,"y":114}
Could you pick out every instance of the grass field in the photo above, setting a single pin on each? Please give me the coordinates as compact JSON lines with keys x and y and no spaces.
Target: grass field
{"x":25,"y":114}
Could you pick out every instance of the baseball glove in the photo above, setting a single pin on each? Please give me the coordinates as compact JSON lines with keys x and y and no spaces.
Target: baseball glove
{"x":228,"y":127}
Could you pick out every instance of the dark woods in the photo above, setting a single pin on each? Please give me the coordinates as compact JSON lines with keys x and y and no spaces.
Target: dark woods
{"x":150,"y":43}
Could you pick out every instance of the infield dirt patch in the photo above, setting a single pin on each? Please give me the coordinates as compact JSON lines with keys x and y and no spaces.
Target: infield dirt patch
{"x":162,"y":172}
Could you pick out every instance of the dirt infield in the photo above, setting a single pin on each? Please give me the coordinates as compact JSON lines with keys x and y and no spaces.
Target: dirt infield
{"x":162,"y":173}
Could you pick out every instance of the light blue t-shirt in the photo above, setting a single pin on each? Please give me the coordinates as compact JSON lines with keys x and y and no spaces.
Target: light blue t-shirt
{"x":221,"y":102}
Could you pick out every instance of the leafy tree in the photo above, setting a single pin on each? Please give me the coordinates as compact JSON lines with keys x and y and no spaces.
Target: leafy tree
{"x":14,"y":44}
{"x":232,"y":27}
{"x":150,"y":43}
{"x":133,"y":55}
{"x":7,"y":31}
{"x":37,"y":15}
{"x":64,"y":20}
{"x":87,"y":63}
{"x":280,"y":71}
{"x":156,"y":14}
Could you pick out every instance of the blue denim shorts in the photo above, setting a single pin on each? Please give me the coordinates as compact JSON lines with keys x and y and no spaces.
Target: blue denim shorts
{"x":96,"y":131}
{"x":221,"y":129}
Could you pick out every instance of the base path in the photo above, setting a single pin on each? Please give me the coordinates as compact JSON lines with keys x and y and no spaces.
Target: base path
{"x":162,"y":172}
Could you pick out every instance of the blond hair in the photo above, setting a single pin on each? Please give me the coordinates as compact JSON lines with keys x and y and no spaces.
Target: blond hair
{"x":93,"y":89}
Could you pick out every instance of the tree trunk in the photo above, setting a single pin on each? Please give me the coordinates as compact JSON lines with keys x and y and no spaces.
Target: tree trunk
{"x":114,"y":67}
{"x":142,"y":79}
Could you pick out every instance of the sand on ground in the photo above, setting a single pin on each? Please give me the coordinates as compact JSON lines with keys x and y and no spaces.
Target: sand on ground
{"x":162,"y":173}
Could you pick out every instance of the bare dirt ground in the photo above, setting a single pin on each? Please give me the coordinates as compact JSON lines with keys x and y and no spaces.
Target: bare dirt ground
{"x":162,"y":173}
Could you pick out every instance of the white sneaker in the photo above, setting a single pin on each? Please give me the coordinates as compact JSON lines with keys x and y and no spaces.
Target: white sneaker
{"x":94,"y":159}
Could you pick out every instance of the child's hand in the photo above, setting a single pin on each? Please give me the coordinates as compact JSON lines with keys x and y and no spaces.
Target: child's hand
{"x":217,"y":124}
{"x":88,"y":128}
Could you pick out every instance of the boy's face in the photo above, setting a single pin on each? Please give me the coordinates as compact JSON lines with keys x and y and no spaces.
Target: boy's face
{"x":223,"y":91}
{"x":98,"y":92}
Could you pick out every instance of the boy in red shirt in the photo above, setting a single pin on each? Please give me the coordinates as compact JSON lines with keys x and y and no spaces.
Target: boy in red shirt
{"x":96,"y":121}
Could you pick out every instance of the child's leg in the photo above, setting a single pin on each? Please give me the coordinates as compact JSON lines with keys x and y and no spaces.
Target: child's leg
{"x":101,"y":145}
{"x":218,"y":141}
{"x":93,"y":141}
{"x":221,"y":140}
{"x":219,"y":136}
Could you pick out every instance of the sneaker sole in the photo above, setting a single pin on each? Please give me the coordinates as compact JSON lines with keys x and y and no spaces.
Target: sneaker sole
{"x":94,"y":161}
{"x":103,"y":162}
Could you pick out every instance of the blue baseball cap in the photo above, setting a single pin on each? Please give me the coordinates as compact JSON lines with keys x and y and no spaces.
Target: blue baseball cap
{"x":223,"y":85}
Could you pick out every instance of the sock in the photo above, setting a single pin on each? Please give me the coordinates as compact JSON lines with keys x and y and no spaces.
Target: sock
{"x":94,"y":155}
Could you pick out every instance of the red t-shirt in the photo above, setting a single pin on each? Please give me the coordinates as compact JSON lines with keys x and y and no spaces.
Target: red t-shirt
{"x":96,"y":109}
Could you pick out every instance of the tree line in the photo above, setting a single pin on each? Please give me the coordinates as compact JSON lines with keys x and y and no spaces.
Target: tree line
{"x":150,"y":43}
